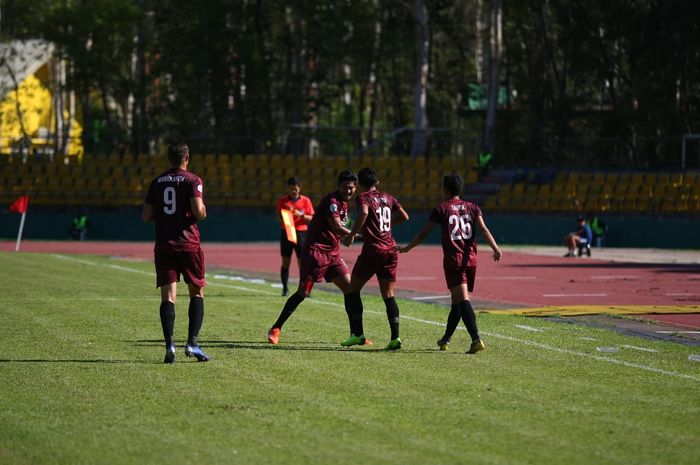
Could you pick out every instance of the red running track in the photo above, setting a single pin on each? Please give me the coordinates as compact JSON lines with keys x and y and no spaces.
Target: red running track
{"x":520,"y":279}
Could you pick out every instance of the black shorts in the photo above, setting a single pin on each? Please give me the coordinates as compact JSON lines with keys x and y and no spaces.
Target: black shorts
{"x":287,"y":247}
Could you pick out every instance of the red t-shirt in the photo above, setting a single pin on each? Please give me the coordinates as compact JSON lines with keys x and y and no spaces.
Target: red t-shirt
{"x":170,"y":194}
{"x":320,"y":236}
{"x":303,"y":203}
{"x":377,"y":228}
{"x":457,"y":217}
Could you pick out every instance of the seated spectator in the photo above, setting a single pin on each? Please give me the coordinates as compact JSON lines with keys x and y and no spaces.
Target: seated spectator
{"x":78,"y":231}
{"x":599,"y":229}
{"x":582,"y":237}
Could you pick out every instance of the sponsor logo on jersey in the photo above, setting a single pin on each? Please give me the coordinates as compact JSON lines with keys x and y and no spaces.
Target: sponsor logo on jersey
{"x":333,"y":208}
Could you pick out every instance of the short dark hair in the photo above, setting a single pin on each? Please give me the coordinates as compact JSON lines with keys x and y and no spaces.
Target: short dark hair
{"x":177,"y":152}
{"x":368,"y":177}
{"x":293,"y":181}
{"x":346,"y":176}
{"x":453,"y":183}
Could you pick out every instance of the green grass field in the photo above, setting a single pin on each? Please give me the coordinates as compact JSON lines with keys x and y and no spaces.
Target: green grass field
{"x":82,"y":381}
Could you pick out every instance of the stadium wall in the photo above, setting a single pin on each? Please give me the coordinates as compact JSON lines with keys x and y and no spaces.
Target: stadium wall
{"x":254,"y":226}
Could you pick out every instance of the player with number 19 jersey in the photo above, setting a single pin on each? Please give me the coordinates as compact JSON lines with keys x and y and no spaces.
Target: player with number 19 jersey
{"x":378,"y":254}
{"x":170,"y":194}
{"x":456,"y":218}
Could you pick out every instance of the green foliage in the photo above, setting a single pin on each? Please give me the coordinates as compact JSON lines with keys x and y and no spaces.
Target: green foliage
{"x":83,"y":382}
{"x":247,"y":76}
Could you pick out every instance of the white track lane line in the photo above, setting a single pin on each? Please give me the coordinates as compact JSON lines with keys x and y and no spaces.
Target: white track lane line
{"x":596,"y":294}
{"x":614,"y":277}
{"x":526,"y":342}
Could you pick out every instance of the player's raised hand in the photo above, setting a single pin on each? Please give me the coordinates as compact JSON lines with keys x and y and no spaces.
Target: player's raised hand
{"x":497,"y":255}
{"x":401,"y":249}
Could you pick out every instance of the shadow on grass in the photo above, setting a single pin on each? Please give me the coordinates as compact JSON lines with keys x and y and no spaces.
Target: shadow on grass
{"x":293,"y":346}
{"x":97,"y":360}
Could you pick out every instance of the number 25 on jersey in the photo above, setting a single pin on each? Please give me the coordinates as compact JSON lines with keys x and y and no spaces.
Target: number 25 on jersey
{"x":461,"y":228}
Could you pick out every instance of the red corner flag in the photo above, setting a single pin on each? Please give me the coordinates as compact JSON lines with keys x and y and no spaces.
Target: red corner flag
{"x":20,"y":205}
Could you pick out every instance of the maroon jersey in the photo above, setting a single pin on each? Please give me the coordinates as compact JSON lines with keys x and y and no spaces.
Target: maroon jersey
{"x":457,"y":217}
{"x":320,"y":236}
{"x":170,"y":194}
{"x":377,"y":228}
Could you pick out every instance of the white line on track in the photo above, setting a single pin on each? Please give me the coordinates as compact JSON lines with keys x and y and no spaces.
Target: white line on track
{"x":595,"y":294}
{"x":504,"y":337}
{"x":507,"y":278}
{"x":671,"y":294}
{"x":432,"y":297}
{"x":678,"y":332}
{"x":614,"y":277}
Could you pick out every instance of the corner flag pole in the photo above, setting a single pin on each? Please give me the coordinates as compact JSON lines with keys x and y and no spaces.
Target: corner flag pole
{"x":21,"y":229}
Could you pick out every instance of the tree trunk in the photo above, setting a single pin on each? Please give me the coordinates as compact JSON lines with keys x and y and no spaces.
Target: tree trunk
{"x":421,"y":80}
{"x":494,"y":63}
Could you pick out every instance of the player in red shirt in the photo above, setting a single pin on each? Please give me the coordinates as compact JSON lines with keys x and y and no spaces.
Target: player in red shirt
{"x":175,"y":203}
{"x":303,"y":211}
{"x":320,"y":258}
{"x":457,"y":219}
{"x":377,"y":211}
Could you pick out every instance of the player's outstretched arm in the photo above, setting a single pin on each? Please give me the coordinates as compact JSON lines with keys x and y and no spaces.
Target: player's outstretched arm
{"x":147,"y":213}
{"x":337,"y":226}
{"x":497,"y":254}
{"x":420,"y":237}
{"x":198,"y":209}
{"x":362,"y":214}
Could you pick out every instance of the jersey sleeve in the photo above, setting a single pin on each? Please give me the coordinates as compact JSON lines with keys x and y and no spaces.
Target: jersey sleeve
{"x":361,"y":200}
{"x":436,"y":215}
{"x":309,"y":209}
{"x":395,"y":204}
{"x":334,"y":208}
{"x":197,"y":187}
{"x":477,"y":211}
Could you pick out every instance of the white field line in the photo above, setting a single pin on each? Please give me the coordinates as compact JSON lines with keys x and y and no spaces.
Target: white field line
{"x":595,"y":294}
{"x":529,"y":328}
{"x":432,"y":297}
{"x":643,"y":349}
{"x":526,"y":342}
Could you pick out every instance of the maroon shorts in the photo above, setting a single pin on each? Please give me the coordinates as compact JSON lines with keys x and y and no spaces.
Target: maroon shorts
{"x":371,"y":262}
{"x":316,"y":266}
{"x":170,"y":264}
{"x":457,"y":274}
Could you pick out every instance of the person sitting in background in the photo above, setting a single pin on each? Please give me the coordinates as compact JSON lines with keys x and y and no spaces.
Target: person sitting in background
{"x":599,"y":229}
{"x":78,"y":231}
{"x":583,"y":236}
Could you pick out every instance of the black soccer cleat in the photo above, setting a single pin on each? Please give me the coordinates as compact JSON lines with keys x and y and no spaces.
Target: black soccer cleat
{"x":170,"y":355}
{"x":196,"y":351}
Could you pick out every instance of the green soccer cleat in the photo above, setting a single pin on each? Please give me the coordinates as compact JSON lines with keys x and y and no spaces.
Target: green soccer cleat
{"x":442,"y":345}
{"x":394,"y":344}
{"x":353,"y":340}
{"x":477,"y":346}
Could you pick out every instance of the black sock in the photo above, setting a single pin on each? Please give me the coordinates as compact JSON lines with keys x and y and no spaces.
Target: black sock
{"x":452,"y":322}
{"x":469,"y":318}
{"x":392,"y":314}
{"x":292,"y":303}
{"x":284,"y":275}
{"x":196,"y":314}
{"x":353,"y":307}
{"x":167,"y":321}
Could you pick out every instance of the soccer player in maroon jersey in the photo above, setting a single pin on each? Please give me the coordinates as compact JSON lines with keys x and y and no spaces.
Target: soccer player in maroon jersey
{"x":303,"y":211}
{"x":376,"y":212}
{"x":457,"y":219}
{"x":175,"y":203}
{"x":320,"y":258}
